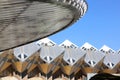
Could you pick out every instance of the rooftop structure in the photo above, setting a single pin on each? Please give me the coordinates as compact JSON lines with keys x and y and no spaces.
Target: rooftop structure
{"x":50,"y":59}
{"x":46,"y":59}
{"x":106,"y":49}
{"x":68,"y":44}
{"x":87,"y":47}
{"x":111,"y":61}
{"x":72,"y":59}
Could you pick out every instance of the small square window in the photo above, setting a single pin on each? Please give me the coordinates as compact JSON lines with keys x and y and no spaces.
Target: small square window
{"x":19,"y":55}
{"x":25,"y":55}
{"x":83,"y":47}
{"x":48,"y":58}
{"x":110,"y":64}
{"x":91,"y":62}
{"x":71,"y":60}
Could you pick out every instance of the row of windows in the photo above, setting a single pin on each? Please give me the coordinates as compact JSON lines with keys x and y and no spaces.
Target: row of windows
{"x":71,"y":46}
{"x":92,"y":49}
{"x":109,"y":51}
{"x":22,"y":56}
{"x":48,"y":58}
{"x":71,"y":61}
{"x":110,"y":64}
{"x":46,"y":44}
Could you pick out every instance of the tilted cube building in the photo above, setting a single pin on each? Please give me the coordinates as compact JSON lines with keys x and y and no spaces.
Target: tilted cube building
{"x":93,"y":59}
{"x":50,"y":57}
{"x":72,"y":59}
{"x":25,"y":58}
{"x":47,"y":60}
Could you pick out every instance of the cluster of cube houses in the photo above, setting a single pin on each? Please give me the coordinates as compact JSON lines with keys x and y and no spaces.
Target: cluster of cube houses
{"x":46,"y":58}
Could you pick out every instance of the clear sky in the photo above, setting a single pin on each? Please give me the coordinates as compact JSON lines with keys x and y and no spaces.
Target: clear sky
{"x":99,"y":26}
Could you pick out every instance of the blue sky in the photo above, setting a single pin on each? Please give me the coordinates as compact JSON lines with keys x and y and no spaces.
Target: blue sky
{"x":99,"y":26}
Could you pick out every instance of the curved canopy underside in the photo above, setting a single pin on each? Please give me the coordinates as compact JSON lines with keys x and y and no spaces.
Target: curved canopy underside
{"x":24,"y":21}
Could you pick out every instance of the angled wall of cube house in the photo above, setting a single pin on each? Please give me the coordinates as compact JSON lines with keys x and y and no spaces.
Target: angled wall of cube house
{"x":5,"y":63}
{"x":111,"y":61}
{"x":72,"y":59}
{"x":25,"y":58}
{"x":118,"y":51}
{"x":118,"y":70}
{"x":93,"y":59}
{"x":50,"y":56}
